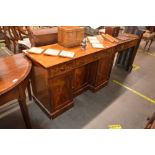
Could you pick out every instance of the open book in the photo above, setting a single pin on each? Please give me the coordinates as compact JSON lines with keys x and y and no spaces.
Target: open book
{"x":95,"y":42}
{"x":97,"y":45}
{"x":35,"y":50}
{"x":67,"y":54}
{"x":52,"y":52}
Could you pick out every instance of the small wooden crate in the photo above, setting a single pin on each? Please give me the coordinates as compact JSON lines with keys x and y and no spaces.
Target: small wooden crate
{"x":70,"y":36}
{"x":112,"y":30}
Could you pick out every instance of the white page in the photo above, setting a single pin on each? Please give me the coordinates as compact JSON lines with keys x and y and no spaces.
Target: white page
{"x":97,"y":46}
{"x":92,"y":38}
{"x":52,"y":52}
{"x":35,"y":50}
{"x":94,"y":41}
{"x":67,"y":54}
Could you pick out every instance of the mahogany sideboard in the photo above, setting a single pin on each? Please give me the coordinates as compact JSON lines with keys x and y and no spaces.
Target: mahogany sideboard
{"x":57,"y":80}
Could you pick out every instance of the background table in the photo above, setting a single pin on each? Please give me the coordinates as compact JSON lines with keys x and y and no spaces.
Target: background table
{"x":14,"y":79}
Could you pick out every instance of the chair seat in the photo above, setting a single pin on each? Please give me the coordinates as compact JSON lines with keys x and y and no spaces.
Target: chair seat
{"x":148,"y":35}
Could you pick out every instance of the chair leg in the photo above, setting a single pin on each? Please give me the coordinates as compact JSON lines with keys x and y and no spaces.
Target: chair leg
{"x":14,"y":48}
{"x":150,"y":43}
{"x":8,"y":43}
{"x":147,"y":41}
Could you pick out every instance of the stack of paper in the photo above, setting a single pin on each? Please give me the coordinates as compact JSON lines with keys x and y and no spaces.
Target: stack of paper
{"x":97,"y":46}
{"x":35,"y":50}
{"x":67,"y":54}
{"x":95,"y":42}
{"x":93,"y":39}
{"x":52,"y":52}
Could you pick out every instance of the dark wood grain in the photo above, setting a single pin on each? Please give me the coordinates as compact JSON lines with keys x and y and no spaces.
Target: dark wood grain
{"x":57,"y":80}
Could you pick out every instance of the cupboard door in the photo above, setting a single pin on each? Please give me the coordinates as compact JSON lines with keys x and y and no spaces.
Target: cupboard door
{"x":104,"y":68}
{"x":61,"y":91}
{"x":80,"y":79}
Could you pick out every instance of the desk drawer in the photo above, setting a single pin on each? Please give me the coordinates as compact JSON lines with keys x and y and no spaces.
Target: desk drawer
{"x":83,"y":61}
{"x":127,"y":45}
{"x":93,"y":57}
{"x":61,"y":69}
{"x":103,"y":53}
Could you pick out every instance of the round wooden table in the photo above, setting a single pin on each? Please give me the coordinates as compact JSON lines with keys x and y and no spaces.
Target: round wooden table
{"x":14,"y":79}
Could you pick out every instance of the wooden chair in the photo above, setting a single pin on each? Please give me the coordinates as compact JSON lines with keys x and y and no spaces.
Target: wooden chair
{"x":19,"y":38}
{"x":2,"y":39}
{"x":23,"y":39}
{"x":11,"y":38}
{"x":15,"y":40}
{"x":7,"y":40}
{"x":36,"y":36}
{"x":149,"y":37}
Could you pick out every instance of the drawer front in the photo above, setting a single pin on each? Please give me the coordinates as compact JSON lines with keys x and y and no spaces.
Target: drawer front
{"x":102,"y":54}
{"x":130,"y":44}
{"x":66,"y":67}
{"x":83,"y":61}
{"x":61,"y":69}
{"x":93,"y":57}
{"x":127,"y":45}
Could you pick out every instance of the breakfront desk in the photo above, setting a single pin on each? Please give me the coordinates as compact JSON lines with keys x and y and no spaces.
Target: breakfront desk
{"x":57,"y":80}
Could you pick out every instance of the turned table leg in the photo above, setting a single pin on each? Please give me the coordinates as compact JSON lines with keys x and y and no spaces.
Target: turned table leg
{"x":22,"y":104}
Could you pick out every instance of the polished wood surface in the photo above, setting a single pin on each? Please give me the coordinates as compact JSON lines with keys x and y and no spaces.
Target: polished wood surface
{"x":13,"y":70}
{"x":57,"y":80}
{"x":14,"y":78}
{"x":50,"y":61}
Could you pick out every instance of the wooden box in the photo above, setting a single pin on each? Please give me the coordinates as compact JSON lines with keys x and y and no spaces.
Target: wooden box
{"x":70,"y":36}
{"x":112,"y":30}
{"x":42,"y":37}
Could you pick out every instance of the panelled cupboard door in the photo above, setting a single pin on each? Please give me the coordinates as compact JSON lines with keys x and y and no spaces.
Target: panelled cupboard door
{"x":104,"y":68}
{"x":80,"y":78}
{"x":61,"y":91}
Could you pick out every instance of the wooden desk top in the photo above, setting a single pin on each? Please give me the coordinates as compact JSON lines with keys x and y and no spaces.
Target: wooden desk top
{"x":49,"y":61}
{"x":13,"y":70}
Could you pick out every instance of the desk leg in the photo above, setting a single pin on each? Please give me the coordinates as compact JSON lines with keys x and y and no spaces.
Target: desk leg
{"x":25,"y":114}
